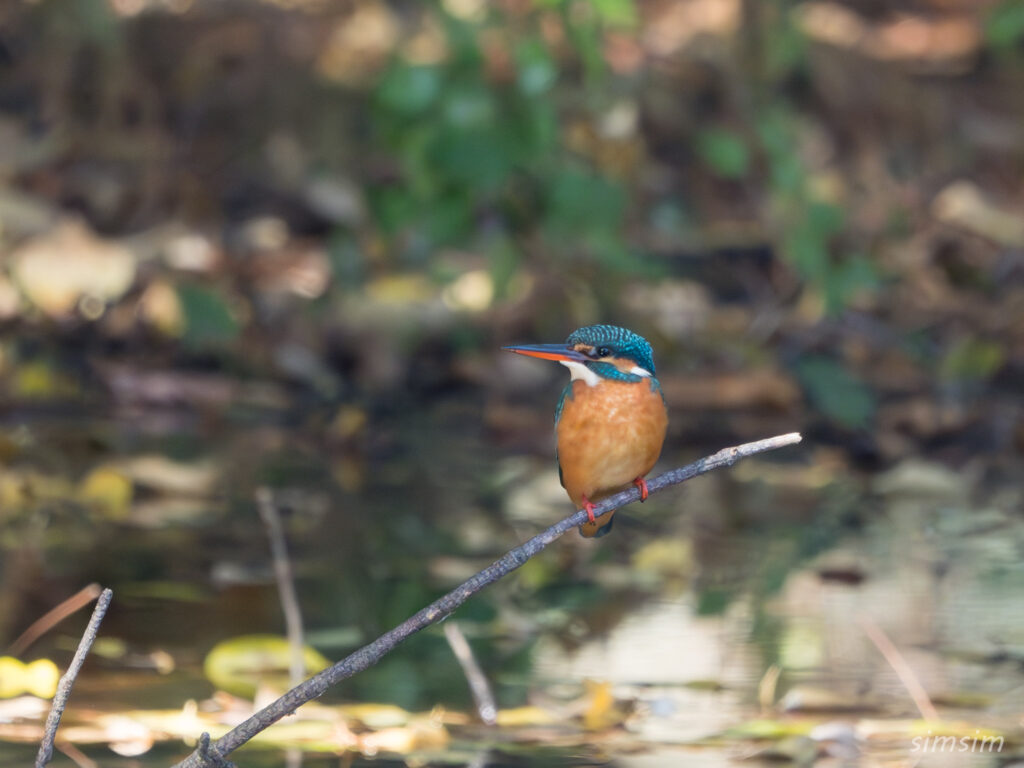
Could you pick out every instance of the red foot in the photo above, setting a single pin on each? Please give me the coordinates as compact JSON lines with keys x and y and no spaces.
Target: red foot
{"x":642,"y":485}
{"x":587,"y":505}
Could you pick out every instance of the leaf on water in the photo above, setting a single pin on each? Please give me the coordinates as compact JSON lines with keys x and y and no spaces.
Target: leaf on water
{"x":41,"y":380}
{"x":165,"y":475}
{"x":38,"y":678}
{"x":521,"y":717}
{"x":108,"y":491}
{"x":603,"y":710}
{"x":240,"y":664}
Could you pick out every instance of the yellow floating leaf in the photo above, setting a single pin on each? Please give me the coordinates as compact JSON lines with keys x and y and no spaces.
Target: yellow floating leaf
{"x":12,"y":673}
{"x":377,"y":715}
{"x":38,"y":380}
{"x":521,"y":717}
{"x":108,"y":491}
{"x":38,"y":678}
{"x":41,"y":678}
{"x":240,"y":664}
{"x":420,"y":734}
{"x":602,"y":711}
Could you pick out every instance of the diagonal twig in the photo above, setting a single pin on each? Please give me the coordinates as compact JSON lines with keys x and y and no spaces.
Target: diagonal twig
{"x":60,"y":700}
{"x":51,"y":618}
{"x":214,"y":753}
{"x":902,"y":669}
{"x":478,"y":685}
{"x":285,"y":578}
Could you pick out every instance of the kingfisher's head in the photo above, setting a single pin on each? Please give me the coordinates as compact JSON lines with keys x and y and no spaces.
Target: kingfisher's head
{"x":597,"y":352}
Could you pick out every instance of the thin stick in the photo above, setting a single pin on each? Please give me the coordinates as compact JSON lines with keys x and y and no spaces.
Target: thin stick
{"x":52,"y":617}
{"x":285,"y":583}
{"x":215,"y":752}
{"x":60,"y":700}
{"x":77,"y":756}
{"x":285,"y":577}
{"x":478,"y":685}
{"x":901,"y":668}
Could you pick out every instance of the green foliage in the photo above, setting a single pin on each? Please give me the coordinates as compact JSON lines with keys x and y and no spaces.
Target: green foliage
{"x":836,"y":392}
{"x":409,"y":90}
{"x":616,"y":12}
{"x":479,"y":159}
{"x":208,"y":320}
{"x":1004,"y":27}
{"x":536,"y":71}
{"x":812,"y":228}
{"x":581,"y":202}
{"x":725,"y":152}
{"x":971,"y":359}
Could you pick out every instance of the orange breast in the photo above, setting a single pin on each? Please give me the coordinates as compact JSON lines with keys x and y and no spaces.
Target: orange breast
{"x":608,"y":435}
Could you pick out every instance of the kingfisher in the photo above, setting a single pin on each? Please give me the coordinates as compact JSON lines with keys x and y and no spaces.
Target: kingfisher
{"x":611,"y":419}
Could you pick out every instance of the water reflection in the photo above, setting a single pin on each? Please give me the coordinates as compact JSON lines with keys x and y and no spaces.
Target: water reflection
{"x":682,"y":614}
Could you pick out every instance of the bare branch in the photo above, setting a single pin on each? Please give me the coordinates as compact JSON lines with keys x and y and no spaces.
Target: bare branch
{"x":902,"y":669}
{"x":285,"y":583}
{"x":60,"y":700}
{"x":478,"y":685}
{"x":54,"y":616}
{"x":213,"y":754}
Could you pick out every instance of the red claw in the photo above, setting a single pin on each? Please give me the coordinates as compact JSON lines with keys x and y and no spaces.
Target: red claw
{"x":589,"y":506}
{"x":642,"y":485}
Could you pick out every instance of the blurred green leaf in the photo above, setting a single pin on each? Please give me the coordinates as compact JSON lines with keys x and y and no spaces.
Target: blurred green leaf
{"x":410,"y":89}
{"x":713,"y":601}
{"x":825,"y":219}
{"x":582,"y":202}
{"x":1004,"y":27}
{"x":537,"y":71}
{"x":807,"y":252}
{"x":479,"y":159}
{"x":847,"y":279}
{"x":971,"y":359}
{"x":208,"y":320}
{"x":504,"y":260}
{"x":392,"y":207}
{"x":448,"y":220}
{"x":836,"y":392}
{"x":469,"y":107}
{"x":620,"y":13}
{"x":724,"y":151}
{"x":806,"y":245}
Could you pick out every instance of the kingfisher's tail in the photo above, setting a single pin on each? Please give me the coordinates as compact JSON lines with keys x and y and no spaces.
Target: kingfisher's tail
{"x":600,"y":527}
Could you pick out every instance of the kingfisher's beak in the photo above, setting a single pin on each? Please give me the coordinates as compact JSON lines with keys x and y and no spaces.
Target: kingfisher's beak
{"x":558,"y":352}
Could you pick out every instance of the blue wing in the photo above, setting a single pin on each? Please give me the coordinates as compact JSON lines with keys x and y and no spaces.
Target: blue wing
{"x":566,"y":394}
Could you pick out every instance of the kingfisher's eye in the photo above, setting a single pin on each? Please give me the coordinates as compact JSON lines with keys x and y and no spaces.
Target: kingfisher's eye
{"x":603,"y":352}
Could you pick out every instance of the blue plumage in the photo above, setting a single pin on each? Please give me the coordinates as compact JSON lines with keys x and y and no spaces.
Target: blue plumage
{"x":620,"y":342}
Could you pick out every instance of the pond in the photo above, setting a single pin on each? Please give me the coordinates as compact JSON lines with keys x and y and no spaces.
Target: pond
{"x":789,"y":608}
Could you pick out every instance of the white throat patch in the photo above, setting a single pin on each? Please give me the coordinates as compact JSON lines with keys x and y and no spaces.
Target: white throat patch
{"x":580,"y":371}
